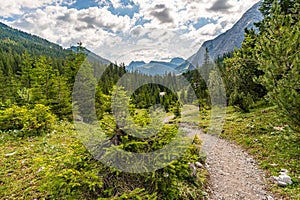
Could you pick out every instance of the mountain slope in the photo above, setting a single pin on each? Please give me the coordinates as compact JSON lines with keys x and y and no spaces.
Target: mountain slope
{"x":185,"y":66}
{"x":157,"y":68}
{"x":18,"y":42}
{"x":177,"y":61}
{"x":92,"y":56}
{"x":134,"y":65}
{"x":229,"y":40}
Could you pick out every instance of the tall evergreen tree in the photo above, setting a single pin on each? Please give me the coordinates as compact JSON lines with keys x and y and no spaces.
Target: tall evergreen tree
{"x":277,"y":53}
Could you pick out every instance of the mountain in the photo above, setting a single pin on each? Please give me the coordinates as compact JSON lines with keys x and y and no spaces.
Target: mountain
{"x":16,"y":41}
{"x":92,"y":56}
{"x":185,"y":66}
{"x":156,"y":68}
{"x":229,"y":40}
{"x":177,"y":61}
{"x":134,"y":65}
{"x":19,"y":42}
{"x":224,"y":43}
{"x":175,"y":66}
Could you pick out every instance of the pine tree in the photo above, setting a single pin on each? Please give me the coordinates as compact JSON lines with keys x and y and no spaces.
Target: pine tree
{"x":84,"y":92}
{"x":216,"y":89}
{"x":207,"y":66}
{"x":241,"y":72}
{"x":277,"y":52}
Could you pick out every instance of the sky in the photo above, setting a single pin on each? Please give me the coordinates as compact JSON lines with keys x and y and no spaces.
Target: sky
{"x":126,"y":30}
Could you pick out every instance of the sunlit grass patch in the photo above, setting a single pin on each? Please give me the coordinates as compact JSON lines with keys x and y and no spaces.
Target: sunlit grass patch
{"x":270,"y":140}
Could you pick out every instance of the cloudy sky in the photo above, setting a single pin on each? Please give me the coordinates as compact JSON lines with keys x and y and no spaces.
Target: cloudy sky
{"x":125,"y":30}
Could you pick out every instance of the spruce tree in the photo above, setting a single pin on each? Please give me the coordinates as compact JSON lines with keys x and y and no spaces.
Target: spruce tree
{"x":277,"y":53}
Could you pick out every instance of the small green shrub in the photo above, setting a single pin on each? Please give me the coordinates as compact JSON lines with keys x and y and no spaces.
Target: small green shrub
{"x":73,"y":174}
{"x":241,"y":100}
{"x":28,"y":121}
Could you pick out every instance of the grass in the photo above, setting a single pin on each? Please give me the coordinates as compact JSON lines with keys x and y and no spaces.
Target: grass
{"x":190,"y":114}
{"x":57,"y":166}
{"x":265,"y":135}
{"x":24,"y":161}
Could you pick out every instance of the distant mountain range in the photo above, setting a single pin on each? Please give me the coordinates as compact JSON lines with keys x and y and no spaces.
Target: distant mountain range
{"x":231,"y":39}
{"x":222,"y":44}
{"x":175,"y":66}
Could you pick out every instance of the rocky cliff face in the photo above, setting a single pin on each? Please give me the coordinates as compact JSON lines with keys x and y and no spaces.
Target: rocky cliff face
{"x":229,"y":40}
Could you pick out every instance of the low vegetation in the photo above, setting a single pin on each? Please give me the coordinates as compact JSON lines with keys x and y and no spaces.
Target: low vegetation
{"x":57,"y":165}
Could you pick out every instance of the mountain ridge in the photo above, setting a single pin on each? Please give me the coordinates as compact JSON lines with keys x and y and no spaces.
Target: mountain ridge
{"x":229,"y":40}
{"x":176,"y":66}
{"x":27,"y":42}
{"x":12,"y":39}
{"x":90,"y":54}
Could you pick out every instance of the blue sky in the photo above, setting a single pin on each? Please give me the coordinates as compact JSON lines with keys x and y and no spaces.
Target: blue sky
{"x":125,"y":30}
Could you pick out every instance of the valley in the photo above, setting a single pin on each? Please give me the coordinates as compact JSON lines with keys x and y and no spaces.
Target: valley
{"x":221,"y":124}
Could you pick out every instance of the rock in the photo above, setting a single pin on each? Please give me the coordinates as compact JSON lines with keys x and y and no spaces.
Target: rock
{"x":273,"y":165}
{"x":78,"y":118}
{"x":40,"y":169}
{"x":282,"y":184}
{"x":10,"y":154}
{"x":198,"y":164}
{"x":193,"y":169}
{"x":250,"y":160}
{"x":270,"y":198}
{"x":285,"y":178}
{"x":274,"y":179}
{"x":278,"y":128}
{"x":284,"y":171}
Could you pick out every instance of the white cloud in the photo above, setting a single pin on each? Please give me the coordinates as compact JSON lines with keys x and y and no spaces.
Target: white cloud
{"x":93,"y":26}
{"x":16,"y":7}
{"x":116,"y":3}
{"x":170,"y":30}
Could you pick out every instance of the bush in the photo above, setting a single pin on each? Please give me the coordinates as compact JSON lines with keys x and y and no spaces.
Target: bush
{"x":28,"y":121}
{"x":241,"y":100}
{"x":73,"y":174}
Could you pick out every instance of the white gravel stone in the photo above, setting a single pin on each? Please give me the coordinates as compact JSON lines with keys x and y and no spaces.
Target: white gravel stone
{"x":285,"y":178}
{"x":282,"y":184}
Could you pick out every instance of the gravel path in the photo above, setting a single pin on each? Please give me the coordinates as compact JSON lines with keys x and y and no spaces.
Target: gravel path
{"x":234,"y":174}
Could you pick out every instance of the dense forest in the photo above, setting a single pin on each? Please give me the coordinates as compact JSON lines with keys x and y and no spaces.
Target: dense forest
{"x":41,"y":88}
